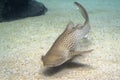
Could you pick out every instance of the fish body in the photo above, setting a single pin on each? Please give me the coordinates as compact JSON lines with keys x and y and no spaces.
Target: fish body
{"x":63,"y":48}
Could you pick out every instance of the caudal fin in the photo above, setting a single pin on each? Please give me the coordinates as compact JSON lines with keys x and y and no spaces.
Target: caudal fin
{"x":83,"y":12}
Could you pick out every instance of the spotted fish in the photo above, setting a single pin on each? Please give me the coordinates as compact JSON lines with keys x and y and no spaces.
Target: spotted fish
{"x":63,"y":49}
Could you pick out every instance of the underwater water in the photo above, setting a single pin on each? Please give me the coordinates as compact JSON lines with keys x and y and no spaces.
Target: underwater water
{"x":24,"y":41}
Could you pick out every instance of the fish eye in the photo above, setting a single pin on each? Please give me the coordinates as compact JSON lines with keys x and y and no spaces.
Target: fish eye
{"x":42,"y":58}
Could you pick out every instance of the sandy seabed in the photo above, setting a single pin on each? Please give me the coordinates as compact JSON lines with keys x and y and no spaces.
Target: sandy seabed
{"x":23,"y":42}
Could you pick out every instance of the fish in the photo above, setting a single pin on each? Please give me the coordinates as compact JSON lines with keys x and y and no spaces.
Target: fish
{"x":63,"y":49}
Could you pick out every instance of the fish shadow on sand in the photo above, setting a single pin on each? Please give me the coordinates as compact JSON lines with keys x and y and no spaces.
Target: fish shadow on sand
{"x":66,"y":65}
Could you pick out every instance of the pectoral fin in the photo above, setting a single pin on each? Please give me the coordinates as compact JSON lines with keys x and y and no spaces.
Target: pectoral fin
{"x":76,"y":53}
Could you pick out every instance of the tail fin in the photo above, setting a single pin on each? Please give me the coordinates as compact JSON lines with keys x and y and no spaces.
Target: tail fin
{"x":83,"y":12}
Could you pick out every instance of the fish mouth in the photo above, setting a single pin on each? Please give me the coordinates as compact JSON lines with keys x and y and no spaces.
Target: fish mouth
{"x":54,"y":64}
{"x":50,"y":65}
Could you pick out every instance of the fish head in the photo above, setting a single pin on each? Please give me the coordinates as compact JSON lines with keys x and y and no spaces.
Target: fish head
{"x":52,"y":61}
